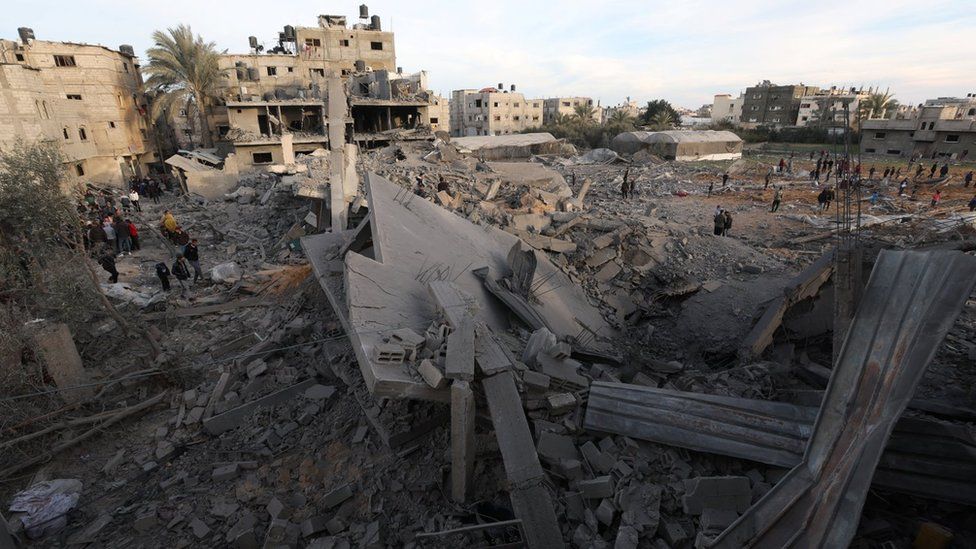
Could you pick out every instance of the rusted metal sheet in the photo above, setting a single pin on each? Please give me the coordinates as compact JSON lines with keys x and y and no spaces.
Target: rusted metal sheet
{"x":911,"y":301}
{"x":923,"y":457}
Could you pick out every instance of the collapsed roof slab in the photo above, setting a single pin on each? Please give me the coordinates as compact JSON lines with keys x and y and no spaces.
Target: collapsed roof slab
{"x":384,"y":287}
{"x":911,"y":301}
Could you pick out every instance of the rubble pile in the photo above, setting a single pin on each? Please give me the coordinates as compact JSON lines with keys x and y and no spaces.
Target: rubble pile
{"x":493,"y":352}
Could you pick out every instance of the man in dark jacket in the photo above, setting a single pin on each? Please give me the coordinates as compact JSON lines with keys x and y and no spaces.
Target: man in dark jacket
{"x":162,"y":271}
{"x":107,"y":261}
{"x":181,"y":270}
{"x":192,"y":254}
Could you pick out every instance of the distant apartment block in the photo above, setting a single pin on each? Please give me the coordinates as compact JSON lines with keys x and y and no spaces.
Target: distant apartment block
{"x":566,"y":106}
{"x":726,"y":108}
{"x":943,"y":128}
{"x":89,"y":99}
{"x":831,"y":108}
{"x":493,"y":111}
{"x":767,"y":104}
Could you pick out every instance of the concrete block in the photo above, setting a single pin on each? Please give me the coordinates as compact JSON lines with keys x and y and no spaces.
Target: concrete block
{"x":59,"y":355}
{"x":714,"y":521}
{"x":432,"y":374}
{"x":275,"y":508}
{"x":225,"y":472}
{"x":200,"y":528}
{"x":672,"y":531}
{"x":561,"y":403}
{"x":534,"y":381}
{"x":627,"y":538}
{"x":554,"y":447}
{"x":459,"y":363}
{"x":732,"y":493}
{"x":337,"y":496}
{"x":597,"y":460}
{"x":319,"y":392}
{"x":605,"y":512}
{"x":314,"y":525}
{"x":386,"y":353}
{"x":598,"y":488}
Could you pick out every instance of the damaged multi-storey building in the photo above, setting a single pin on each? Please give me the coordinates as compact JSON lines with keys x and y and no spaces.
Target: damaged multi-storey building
{"x":493,"y":111}
{"x":87,"y":98}
{"x":943,"y":128}
{"x":271,"y":92}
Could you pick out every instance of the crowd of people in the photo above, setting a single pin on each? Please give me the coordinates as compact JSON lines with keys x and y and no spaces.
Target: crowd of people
{"x":111,"y":233}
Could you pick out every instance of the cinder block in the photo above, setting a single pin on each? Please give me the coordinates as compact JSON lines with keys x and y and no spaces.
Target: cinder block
{"x":598,"y":488}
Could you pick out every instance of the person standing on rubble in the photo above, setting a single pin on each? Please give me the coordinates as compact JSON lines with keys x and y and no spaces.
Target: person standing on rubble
{"x":192,"y":254}
{"x":821,"y":200}
{"x":443,"y":185}
{"x":777,"y":197}
{"x":122,"y":237}
{"x":782,"y":165}
{"x":181,"y":271}
{"x":968,"y":178}
{"x":110,"y":234}
{"x":711,"y":185}
{"x":972,"y":204}
{"x":918,"y":170}
{"x":719,"y":221}
{"x":944,"y":171}
{"x":769,"y":175}
{"x":625,"y":186}
{"x":133,"y":234}
{"x":935,"y":166}
{"x":936,"y":198}
{"x":725,"y":179}
{"x":727,"y":226}
{"x":902,"y":186}
{"x":168,"y":222}
{"x":828,"y":198}
{"x":162,"y":272}
{"x":134,"y":198}
{"x":107,"y":261}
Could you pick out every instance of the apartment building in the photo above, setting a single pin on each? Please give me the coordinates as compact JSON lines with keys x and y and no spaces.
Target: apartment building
{"x":768,"y":104}
{"x":439,"y":114}
{"x":89,"y":99}
{"x":493,"y":111}
{"x":826,"y":108}
{"x":566,"y":106}
{"x":726,"y":108}
{"x":268,"y":93}
{"x":943,"y":128}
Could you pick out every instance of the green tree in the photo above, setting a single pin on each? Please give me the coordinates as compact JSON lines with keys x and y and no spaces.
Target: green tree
{"x":655,"y":108}
{"x":877,"y":105}
{"x":663,"y":120}
{"x":184,"y":70}
{"x":583,"y":114}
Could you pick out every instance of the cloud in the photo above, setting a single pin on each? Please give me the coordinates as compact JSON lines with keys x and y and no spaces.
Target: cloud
{"x":681,"y":51}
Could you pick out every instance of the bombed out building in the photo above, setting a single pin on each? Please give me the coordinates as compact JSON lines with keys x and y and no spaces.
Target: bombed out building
{"x":272,"y":91}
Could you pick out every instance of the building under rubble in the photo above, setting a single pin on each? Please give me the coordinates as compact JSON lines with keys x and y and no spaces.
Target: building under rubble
{"x":273,"y":91}
{"x":87,"y":98}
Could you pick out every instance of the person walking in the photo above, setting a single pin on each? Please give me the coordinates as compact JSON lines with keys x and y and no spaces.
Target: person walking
{"x":873,"y":199}
{"x":719,"y":221}
{"x":154,"y":191}
{"x":828,"y":198}
{"x":133,"y":234}
{"x":935,"y":166}
{"x":134,"y":198}
{"x":168,"y":224}
{"x":110,"y":237}
{"x":776,"y":200}
{"x":769,"y":175}
{"x":725,"y":179}
{"x":902,"y":186}
{"x":821,"y":200}
{"x":944,"y":171}
{"x":711,"y":185}
{"x":918,"y":170}
{"x":968,"y":178}
{"x":728,"y":222}
{"x":625,"y":187}
{"x":192,"y":254}
{"x":126,"y":203}
{"x":972,"y":204}
{"x":181,"y":271}
{"x":107,"y":261}
{"x":936,"y":198}
{"x":123,"y":237}
{"x":162,"y":272}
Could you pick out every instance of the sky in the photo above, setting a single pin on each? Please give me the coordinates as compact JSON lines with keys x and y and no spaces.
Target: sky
{"x":682,"y":51}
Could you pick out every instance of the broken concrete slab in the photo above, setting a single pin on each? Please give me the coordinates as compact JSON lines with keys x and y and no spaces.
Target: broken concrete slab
{"x":463,"y":447}
{"x":731,"y":493}
{"x":59,"y":355}
{"x":459,"y":363}
{"x":414,"y":242}
{"x":233,"y":418}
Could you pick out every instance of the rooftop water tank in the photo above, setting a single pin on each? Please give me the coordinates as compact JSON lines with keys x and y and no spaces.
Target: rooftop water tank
{"x":375,"y":22}
{"x":363,"y":11}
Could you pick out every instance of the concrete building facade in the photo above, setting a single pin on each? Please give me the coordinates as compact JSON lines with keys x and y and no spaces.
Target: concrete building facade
{"x":566,"y":106}
{"x":492,"y":111}
{"x":726,"y":108}
{"x":827,"y":107}
{"x":269,"y":93}
{"x":89,"y":99}
{"x":943,"y":128}
{"x":767,"y":104}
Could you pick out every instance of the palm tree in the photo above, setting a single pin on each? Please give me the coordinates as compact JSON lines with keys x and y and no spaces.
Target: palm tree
{"x":662,"y":121}
{"x":583,"y":114}
{"x":877,"y":105}
{"x":620,"y":117}
{"x":183,"y":69}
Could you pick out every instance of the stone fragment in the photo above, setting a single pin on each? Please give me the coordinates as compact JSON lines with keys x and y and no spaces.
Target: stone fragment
{"x":224,"y":472}
{"x":598,"y":488}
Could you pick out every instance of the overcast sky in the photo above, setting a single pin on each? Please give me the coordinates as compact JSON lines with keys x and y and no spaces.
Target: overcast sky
{"x":683,"y":51}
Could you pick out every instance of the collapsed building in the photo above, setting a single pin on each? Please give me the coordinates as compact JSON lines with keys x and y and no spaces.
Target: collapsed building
{"x":271,"y":92}
{"x":87,"y":98}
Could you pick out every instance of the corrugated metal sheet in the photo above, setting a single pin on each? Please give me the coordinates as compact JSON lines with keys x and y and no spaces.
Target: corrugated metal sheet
{"x":923,"y":457}
{"x":911,"y":301}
